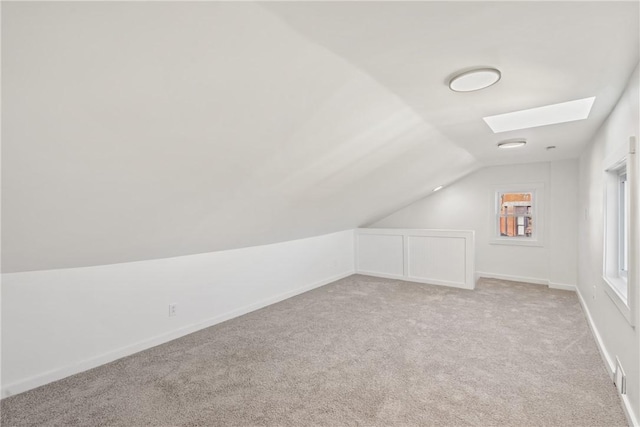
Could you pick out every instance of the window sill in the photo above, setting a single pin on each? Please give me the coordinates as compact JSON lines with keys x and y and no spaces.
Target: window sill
{"x":516,"y":242}
{"x":614,"y":288}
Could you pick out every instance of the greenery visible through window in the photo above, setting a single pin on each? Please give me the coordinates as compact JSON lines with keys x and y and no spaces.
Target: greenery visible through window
{"x":515,"y":214}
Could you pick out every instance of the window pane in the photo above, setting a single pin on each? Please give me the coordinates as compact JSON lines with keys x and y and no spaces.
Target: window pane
{"x":623,"y":223}
{"x":515,"y":214}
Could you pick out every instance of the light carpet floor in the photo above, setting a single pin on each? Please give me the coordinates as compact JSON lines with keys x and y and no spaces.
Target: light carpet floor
{"x":360,"y":351}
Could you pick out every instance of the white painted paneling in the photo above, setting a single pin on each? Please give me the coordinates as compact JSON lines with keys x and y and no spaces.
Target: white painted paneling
{"x":380,"y":254}
{"x":439,"y":257}
{"x":59,"y":322}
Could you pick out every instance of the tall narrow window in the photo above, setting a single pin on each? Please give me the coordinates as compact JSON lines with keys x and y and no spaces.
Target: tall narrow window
{"x":620,"y":205}
{"x":616,"y":229}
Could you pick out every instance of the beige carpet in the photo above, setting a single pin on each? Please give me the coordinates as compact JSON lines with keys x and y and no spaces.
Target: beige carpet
{"x":360,"y":351}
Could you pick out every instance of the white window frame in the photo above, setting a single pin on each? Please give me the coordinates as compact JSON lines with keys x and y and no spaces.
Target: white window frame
{"x":623,"y":224}
{"x":620,"y":229}
{"x":537,"y":214}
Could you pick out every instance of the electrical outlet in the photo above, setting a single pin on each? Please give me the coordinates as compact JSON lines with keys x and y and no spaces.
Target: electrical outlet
{"x":593,"y":294}
{"x":173,"y":308}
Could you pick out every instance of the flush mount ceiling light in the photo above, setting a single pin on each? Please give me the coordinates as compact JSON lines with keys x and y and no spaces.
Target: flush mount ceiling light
{"x":512,"y":143}
{"x":438,"y":188}
{"x":475,"y":79}
{"x":541,"y":116}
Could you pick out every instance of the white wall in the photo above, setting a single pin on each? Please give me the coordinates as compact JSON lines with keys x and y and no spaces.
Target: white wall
{"x":59,"y":322}
{"x":617,"y":337}
{"x":468,"y":205}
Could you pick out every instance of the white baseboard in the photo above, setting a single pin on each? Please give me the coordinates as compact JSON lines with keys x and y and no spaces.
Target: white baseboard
{"x":626,"y":405}
{"x":57,"y":374}
{"x":523,"y":279}
{"x":563,"y":287}
{"x":532,"y":280}
{"x":608,"y":360}
{"x":382,"y":275}
{"x":459,"y":285}
{"x":479,"y":274}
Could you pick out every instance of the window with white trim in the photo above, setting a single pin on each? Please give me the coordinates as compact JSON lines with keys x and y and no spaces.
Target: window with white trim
{"x":619,"y":172}
{"x":616,"y":229}
{"x":517,"y":214}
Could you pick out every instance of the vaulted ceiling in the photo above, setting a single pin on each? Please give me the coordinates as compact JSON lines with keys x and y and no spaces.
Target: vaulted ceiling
{"x":548,"y":52}
{"x":143,"y":130}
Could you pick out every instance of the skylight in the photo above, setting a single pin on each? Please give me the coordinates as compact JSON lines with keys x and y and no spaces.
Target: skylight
{"x":541,"y":116}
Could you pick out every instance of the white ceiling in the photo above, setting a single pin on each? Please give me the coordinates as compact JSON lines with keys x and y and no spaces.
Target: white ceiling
{"x":142,"y":130}
{"x":548,"y":52}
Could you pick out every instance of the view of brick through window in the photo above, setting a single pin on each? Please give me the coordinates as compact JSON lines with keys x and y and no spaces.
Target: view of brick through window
{"x":516,"y":214}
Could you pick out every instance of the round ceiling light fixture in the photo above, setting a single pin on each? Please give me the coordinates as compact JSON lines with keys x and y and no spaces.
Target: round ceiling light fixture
{"x":512,"y":143}
{"x":476,"y":79}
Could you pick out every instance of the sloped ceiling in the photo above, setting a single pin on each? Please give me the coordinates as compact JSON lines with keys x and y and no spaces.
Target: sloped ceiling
{"x":142,"y":130}
{"x":548,"y":52}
